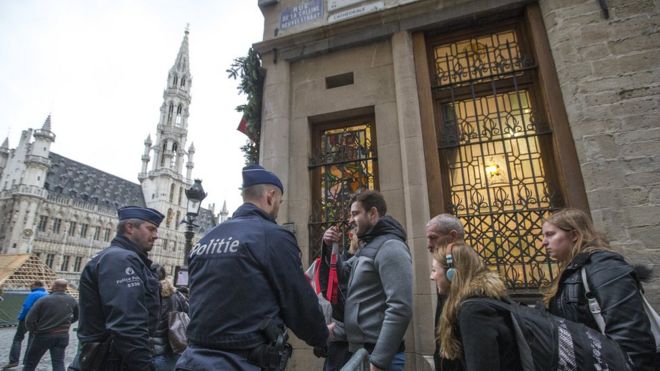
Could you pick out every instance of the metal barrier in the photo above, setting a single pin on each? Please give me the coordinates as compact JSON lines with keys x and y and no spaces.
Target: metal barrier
{"x":358,"y":362}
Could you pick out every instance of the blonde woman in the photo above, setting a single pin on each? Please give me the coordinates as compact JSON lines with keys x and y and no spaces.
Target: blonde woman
{"x":570,"y":238}
{"x":474,"y":332}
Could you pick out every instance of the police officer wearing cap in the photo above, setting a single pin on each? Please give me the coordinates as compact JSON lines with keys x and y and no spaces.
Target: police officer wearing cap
{"x":247,"y":285}
{"x":119,"y":297}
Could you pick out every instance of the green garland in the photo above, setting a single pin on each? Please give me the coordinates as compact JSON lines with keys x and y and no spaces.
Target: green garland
{"x":252,"y":77}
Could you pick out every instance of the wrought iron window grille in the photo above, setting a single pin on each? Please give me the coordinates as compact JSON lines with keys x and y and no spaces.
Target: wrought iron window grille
{"x":494,"y":144}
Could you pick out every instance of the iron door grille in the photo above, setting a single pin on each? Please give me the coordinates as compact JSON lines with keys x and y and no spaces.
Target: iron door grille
{"x":495,"y":150}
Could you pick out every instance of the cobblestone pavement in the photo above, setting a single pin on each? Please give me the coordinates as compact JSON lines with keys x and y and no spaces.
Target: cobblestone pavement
{"x":7,"y":335}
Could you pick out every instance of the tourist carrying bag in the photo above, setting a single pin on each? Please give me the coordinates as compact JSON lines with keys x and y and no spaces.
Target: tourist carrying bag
{"x":594,"y":308}
{"x":547,"y":342}
{"x":178,"y":324}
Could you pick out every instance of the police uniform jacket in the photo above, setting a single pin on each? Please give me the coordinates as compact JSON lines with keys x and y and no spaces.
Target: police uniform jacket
{"x":243,"y":271}
{"x":119,"y":297}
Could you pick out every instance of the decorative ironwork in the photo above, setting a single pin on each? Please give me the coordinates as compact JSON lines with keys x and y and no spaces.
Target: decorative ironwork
{"x":482,"y":58}
{"x":492,"y":141}
{"x":345,"y":165}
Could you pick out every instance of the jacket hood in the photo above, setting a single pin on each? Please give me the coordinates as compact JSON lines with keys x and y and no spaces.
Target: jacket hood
{"x":248,"y":209}
{"x":166,"y":289}
{"x":385,"y":225}
{"x":488,"y":284}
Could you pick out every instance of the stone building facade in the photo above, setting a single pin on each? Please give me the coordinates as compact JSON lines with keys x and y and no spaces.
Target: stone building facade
{"x":64,"y":211}
{"x":497,"y":111}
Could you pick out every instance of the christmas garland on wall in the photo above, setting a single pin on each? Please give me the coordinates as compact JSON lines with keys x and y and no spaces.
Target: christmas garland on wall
{"x":252,"y":76}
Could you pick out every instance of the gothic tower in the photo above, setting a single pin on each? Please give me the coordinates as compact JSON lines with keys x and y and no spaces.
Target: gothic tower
{"x":22,"y":181}
{"x":163,"y":186}
{"x":4,"y":155}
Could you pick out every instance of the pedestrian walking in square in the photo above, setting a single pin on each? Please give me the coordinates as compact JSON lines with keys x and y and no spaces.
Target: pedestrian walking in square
{"x":37,"y":291}
{"x":48,"y":322}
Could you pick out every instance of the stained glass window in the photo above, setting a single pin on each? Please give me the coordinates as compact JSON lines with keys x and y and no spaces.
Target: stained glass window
{"x":494,"y":145}
{"x":485,"y":58}
{"x":345,"y":165}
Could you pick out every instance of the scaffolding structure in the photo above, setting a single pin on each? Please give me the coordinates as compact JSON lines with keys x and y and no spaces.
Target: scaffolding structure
{"x":19,"y":271}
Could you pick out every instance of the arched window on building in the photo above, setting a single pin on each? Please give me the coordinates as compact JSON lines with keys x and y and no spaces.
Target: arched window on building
{"x":169,"y":217}
{"x":179,"y":114}
{"x":175,"y":155}
{"x":172,"y":189}
{"x":162,"y":154}
{"x":170,"y":112}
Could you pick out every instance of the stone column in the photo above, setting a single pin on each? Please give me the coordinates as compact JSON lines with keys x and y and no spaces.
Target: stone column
{"x":415,"y":197}
{"x":275,"y":123}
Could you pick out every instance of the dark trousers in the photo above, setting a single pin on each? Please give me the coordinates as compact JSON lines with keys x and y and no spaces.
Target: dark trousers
{"x":15,"y":352}
{"x":55,"y":343}
{"x":338,"y":355}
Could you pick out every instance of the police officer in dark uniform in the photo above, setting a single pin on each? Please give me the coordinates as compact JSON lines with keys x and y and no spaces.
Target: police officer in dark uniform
{"x":119,"y":298}
{"x":247,"y":285}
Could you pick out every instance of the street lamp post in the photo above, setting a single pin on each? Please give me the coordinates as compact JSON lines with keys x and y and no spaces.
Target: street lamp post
{"x":195,"y":195}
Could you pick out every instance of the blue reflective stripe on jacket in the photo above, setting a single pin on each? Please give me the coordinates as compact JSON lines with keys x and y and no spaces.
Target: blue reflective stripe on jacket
{"x":243,"y":271}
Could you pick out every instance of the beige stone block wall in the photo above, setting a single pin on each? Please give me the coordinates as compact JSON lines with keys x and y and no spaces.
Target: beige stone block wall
{"x":609,"y":71}
{"x":373,"y":87}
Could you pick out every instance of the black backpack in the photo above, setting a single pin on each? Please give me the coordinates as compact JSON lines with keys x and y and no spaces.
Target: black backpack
{"x":547,"y":342}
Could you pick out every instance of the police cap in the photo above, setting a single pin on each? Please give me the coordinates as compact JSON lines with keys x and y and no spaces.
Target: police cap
{"x":256,"y":174}
{"x":143,"y":213}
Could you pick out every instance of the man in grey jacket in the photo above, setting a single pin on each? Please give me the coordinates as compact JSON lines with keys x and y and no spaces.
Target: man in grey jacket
{"x":49,"y":321}
{"x":378,"y":305}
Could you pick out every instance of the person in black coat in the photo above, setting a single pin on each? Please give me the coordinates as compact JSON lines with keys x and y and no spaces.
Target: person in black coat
{"x":119,"y":295}
{"x":246,"y":275}
{"x":480,"y":336}
{"x":570,"y":238}
{"x":170,"y":301}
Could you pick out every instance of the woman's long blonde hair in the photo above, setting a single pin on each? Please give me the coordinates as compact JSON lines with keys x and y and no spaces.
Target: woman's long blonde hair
{"x":588,"y":240}
{"x":471,"y":279}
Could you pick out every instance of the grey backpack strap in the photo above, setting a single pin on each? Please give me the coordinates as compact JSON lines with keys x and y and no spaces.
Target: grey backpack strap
{"x":594,"y":307}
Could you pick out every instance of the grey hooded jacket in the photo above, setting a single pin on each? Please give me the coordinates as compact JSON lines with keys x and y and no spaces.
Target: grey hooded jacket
{"x":379,"y":298}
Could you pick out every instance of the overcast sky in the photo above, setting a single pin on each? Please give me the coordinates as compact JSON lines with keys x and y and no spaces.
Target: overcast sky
{"x":100,"y":68}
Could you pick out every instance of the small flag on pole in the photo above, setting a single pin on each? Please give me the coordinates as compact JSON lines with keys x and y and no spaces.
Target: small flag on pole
{"x":247,"y":129}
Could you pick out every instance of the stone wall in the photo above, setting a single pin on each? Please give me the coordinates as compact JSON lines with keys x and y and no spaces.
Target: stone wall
{"x":609,"y":70}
